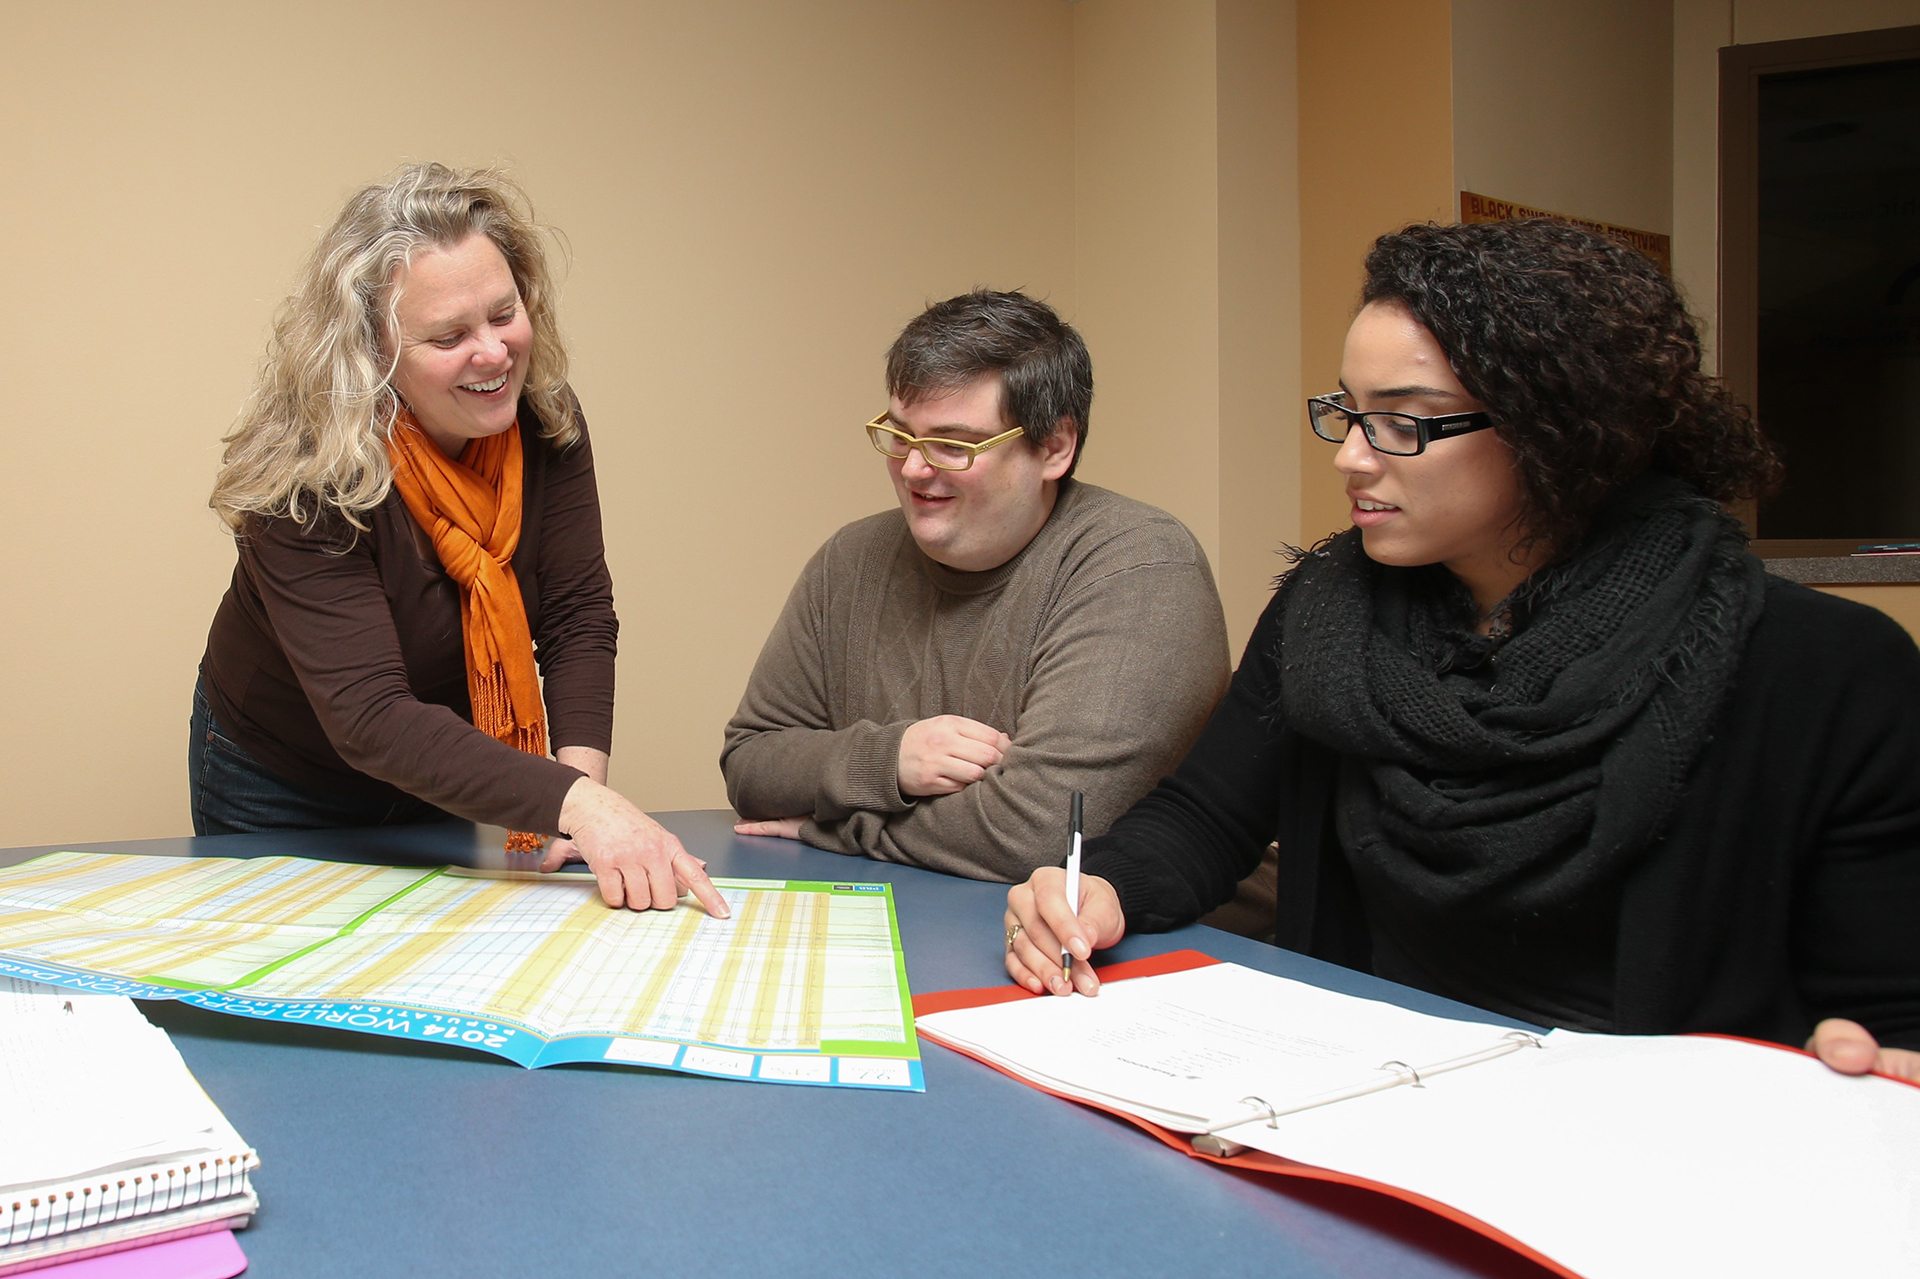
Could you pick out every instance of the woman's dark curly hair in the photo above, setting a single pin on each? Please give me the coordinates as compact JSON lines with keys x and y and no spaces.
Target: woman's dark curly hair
{"x":1585,"y":356}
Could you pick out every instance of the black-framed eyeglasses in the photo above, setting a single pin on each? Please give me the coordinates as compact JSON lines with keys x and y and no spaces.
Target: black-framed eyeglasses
{"x":942,"y":455}
{"x":1401,"y":434}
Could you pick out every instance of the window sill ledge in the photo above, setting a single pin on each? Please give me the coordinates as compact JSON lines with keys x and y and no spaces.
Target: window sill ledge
{"x":1838,"y":570}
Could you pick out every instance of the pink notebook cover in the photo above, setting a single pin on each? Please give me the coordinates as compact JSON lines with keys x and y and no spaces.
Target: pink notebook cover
{"x":215,"y":1255}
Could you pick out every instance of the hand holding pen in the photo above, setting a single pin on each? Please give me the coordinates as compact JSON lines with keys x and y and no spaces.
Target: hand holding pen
{"x":1049,"y":938}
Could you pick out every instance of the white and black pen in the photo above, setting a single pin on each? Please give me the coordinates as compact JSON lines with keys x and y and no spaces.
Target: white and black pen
{"x":1073,"y":878}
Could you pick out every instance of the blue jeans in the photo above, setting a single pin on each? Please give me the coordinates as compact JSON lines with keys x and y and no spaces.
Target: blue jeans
{"x":232,"y":793}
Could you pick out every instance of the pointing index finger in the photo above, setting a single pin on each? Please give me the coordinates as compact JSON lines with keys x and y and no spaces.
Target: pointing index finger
{"x":692,"y":876}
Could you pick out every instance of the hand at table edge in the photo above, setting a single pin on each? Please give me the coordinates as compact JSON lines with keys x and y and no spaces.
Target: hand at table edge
{"x":1848,"y":1047}
{"x":771,"y":828}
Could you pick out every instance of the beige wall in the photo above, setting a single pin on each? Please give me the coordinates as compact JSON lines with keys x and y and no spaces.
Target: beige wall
{"x":1899,"y":601}
{"x":1566,"y":107}
{"x":1184,"y":253}
{"x":756,"y":198}
{"x":1146,"y":245}
{"x":1260,"y":384}
{"x":1370,"y":161}
{"x":1700,"y":27}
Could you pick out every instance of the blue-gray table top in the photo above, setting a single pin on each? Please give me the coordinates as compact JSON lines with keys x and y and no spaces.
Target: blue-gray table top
{"x":384,"y":1157}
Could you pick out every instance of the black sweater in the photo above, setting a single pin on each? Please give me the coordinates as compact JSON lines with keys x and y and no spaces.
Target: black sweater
{"x":1785,"y":889}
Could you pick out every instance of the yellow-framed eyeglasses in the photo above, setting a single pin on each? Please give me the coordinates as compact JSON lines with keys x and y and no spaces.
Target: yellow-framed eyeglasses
{"x":942,"y":455}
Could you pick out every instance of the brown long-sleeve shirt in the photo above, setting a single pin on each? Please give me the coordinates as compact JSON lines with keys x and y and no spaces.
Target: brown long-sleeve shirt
{"x":1099,"y":649}
{"x":336,"y":660}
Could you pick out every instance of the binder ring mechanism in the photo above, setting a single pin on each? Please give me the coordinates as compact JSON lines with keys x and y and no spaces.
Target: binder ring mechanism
{"x":1401,"y":1068}
{"x":1208,"y":1142}
{"x":1261,"y":1103}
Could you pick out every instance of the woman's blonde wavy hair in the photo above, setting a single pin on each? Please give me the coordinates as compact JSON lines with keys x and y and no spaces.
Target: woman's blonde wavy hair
{"x":314,"y":432}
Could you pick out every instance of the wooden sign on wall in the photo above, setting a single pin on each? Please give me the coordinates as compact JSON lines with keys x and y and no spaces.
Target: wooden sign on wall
{"x":1485,"y":208}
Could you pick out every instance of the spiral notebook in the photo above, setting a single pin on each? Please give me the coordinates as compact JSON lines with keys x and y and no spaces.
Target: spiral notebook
{"x":110,"y":1141}
{"x":1593,"y":1155}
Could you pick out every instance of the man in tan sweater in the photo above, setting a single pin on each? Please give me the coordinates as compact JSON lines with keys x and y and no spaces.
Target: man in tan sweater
{"x":944,"y":676}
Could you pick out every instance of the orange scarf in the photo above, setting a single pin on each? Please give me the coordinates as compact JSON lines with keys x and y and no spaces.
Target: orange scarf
{"x":470,"y":508}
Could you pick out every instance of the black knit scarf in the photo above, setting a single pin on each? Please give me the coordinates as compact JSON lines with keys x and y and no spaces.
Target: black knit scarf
{"x":1478,"y":782}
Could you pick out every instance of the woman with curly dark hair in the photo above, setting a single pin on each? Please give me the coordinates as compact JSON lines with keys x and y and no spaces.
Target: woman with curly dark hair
{"x":1539,"y":733}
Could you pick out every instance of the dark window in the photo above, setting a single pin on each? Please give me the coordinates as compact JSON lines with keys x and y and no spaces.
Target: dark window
{"x":1820,"y":273}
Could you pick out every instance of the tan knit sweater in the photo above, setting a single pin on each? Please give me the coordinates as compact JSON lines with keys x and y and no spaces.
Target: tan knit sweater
{"x":1099,"y":649}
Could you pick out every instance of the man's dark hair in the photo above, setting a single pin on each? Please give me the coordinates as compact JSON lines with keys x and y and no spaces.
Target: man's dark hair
{"x":1585,"y":357}
{"x":1043,"y":365}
